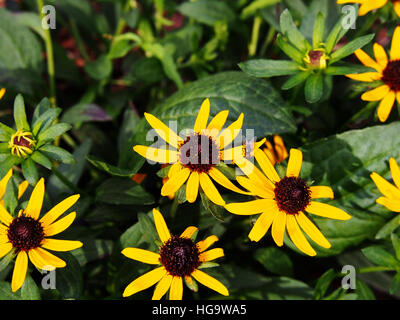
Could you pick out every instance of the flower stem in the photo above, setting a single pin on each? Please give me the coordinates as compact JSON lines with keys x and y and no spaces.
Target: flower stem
{"x":254,"y":36}
{"x":50,"y":57}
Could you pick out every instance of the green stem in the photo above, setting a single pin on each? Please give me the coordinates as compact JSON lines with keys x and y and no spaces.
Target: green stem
{"x":50,"y":58}
{"x":254,"y":35}
{"x":65,"y":181}
{"x":174,"y":207}
{"x":78,"y":39}
{"x":374,"y":269}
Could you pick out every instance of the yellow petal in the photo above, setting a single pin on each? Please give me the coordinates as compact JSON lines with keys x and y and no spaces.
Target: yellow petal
{"x":349,"y":1}
{"x":210,"y":190}
{"x":61,"y":245}
{"x":230,"y":133}
{"x":174,"y":169}
{"x":365,"y":77}
{"x":163,"y":130}
{"x":44,"y":260}
{"x":251,"y":207}
{"x":2,"y":92}
{"x":366,"y":60}
{"x":5,"y":217}
{"x":206,"y":243}
{"x":175,"y":182}
{"x":20,"y":269}
{"x":386,"y":106}
{"x":255,"y":175}
{"x":294,"y":164}
{"x":202,"y":117}
{"x":192,"y":187}
{"x":262,"y":225}
{"x":142,"y":255}
{"x":395,"y":170}
{"x":176,"y":290}
{"x":371,"y":5}
{"x":54,"y":213}
{"x":162,"y":287}
{"x":380,"y":55}
{"x":396,"y":7}
{"x":145,"y":281}
{"x":312,"y":231}
{"x":232,"y":154}
{"x":218,"y":122}
{"x":278,"y":228}
{"x":189,"y":232}
{"x":36,"y":201}
{"x":266,"y":165}
{"x":321,"y":192}
{"x":376,"y":94}
{"x":3,"y":183}
{"x":224,"y":181}
{"x":60,"y":225}
{"x":210,"y":282}
{"x":385,"y":187}
{"x":297,"y":237}
{"x":156,"y":154}
{"x":327,"y":211}
{"x":161,"y":226}
{"x":391,"y":204}
{"x":211,"y":254}
{"x":256,"y":188}
{"x":395,"y":48}
{"x":22,"y":188}
{"x":5,"y":248}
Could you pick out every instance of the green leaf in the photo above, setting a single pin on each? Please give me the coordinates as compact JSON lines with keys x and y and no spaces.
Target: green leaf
{"x":347,"y":69}
{"x":314,"y":88}
{"x":45,"y":120}
{"x":274,"y":260}
{"x":85,"y":112}
{"x":396,"y":244}
{"x":110,"y":169}
{"x":290,"y":50}
{"x":256,"y":5}
{"x":349,"y":48}
{"x":319,"y":29}
{"x":388,"y":228}
{"x":380,"y":257}
{"x":29,"y":290}
{"x":69,"y":280}
{"x":323,"y":284}
{"x":57,"y":154}
{"x":92,"y":249}
{"x":395,"y":285}
{"x":264,"y":68}
{"x":11,"y":196}
{"x":100,"y":68}
{"x":19,"y":114}
{"x":41,"y":159}
{"x":7,"y":163}
{"x":123,"y":191}
{"x":295,"y":80}
{"x":6,"y":293}
{"x":363,"y":291}
{"x":363,"y":151}
{"x":53,"y":132}
{"x":207,"y":11}
{"x":264,"y":109}
{"x":163,"y":172}
{"x":30,"y":171}
{"x":290,"y":31}
{"x":5,"y":132}
{"x":148,"y":228}
{"x":217,"y":211}
{"x":193,"y":285}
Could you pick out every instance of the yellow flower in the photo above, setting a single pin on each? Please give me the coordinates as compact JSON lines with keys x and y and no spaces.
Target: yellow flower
{"x":22,"y":143}
{"x":391,"y":193}
{"x":179,"y":258}
{"x":387,"y":72}
{"x":2,"y":93}
{"x":276,"y":152}
{"x":369,"y":5}
{"x":282,"y":202}
{"x":3,"y":185}
{"x":195,"y":158}
{"x":27,"y":235}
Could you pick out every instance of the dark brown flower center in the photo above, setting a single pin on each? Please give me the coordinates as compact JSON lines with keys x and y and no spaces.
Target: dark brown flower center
{"x":391,"y":75}
{"x":292,"y":195}
{"x":21,"y":141}
{"x":179,"y":256}
{"x":199,"y":153}
{"x":25,"y":233}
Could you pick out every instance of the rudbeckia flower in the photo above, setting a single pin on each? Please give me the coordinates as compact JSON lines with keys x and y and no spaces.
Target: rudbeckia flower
{"x":27,"y":235}
{"x":195,"y":158}
{"x":387,"y":73}
{"x":282,"y":203}
{"x":276,"y":151}
{"x":3,"y":185}
{"x":179,"y":259}
{"x":391,"y":193}
{"x":369,"y":5}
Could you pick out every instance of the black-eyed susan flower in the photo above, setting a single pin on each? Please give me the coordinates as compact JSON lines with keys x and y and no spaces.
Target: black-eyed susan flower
{"x":179,"y":259}
{"x":27,"y":235}
{"x":195,"y":158}
{"x":369,"y":5}
{"x":32,"y":143}
{"x":282,"y":203}
{"x":391,"y":192}
{"x":3,"y":185}
{"x":276,"y":151}
{"x":387,"y":75}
